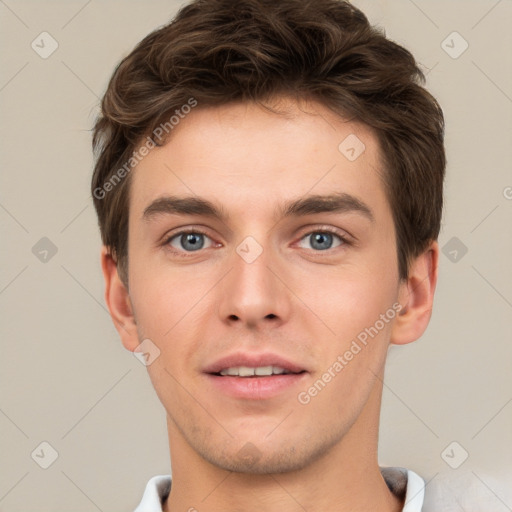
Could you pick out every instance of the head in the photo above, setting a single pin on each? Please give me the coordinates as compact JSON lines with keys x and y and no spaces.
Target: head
{"x":252,"y":125}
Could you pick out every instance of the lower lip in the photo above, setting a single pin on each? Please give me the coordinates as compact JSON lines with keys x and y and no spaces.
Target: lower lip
{"x":256,"y":388}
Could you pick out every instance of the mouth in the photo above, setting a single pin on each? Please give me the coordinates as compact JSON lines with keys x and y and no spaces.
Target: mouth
{"x":258,"y":371}
{"x":252,"y":364}
{"x":254,"y":377}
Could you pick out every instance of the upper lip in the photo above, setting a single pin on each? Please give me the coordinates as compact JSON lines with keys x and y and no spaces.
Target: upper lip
{"x":253,"y":361}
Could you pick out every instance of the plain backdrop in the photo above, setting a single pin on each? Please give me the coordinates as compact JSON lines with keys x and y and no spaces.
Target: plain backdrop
{"x":65,"y":378}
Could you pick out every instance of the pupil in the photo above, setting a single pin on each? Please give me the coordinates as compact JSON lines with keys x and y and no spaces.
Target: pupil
{"x":321,"y":241}
{"x":193,"y":239}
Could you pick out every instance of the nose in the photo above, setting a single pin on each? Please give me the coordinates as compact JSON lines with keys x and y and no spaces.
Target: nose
{"x":254,"y":293}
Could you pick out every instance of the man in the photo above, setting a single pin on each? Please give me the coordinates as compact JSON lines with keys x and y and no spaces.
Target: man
{"x":269,"y":184}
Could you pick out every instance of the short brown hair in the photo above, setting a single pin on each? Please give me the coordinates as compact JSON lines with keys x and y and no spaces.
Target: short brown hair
{"x":220,"y":51}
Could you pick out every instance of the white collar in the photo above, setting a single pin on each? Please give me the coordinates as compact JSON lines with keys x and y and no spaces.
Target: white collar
{"x":158,"y":488}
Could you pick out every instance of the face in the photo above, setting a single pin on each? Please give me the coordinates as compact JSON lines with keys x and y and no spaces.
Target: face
{"x":276,"y":253}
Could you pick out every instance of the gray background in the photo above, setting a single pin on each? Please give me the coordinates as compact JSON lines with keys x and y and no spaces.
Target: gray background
{"x":65,"y":377}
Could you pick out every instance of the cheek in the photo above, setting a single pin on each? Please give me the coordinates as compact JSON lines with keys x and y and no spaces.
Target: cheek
{"x":359,"y":313}
{"x":163,"y":298}
{"x":170,"y":308}
{"x":344,"y":301}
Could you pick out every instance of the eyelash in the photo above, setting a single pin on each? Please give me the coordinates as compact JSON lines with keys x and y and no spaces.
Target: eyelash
{"x":185,"y":254}
{"x":326,"y":229}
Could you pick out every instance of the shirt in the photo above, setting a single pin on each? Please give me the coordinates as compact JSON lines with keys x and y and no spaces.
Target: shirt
{"x":402,"y":482}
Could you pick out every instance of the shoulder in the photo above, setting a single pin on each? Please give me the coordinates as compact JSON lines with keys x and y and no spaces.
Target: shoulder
{"x":468,"y":490}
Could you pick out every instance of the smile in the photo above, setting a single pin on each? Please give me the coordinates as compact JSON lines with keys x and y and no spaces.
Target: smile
{"x":259,"y":371}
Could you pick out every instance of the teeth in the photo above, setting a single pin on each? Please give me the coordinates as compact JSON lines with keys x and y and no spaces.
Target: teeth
{"x":245,"y":371}
{"x":263,"y":370}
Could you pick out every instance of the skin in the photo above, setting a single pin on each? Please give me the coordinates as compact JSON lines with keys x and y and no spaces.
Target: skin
{"x":306,"y":304}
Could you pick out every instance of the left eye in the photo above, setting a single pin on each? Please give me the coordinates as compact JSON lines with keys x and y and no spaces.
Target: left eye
{"x":188,"y":241}
{"x":321,"y":240}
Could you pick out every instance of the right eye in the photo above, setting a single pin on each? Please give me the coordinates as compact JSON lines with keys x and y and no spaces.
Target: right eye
{"x":188,"y":241}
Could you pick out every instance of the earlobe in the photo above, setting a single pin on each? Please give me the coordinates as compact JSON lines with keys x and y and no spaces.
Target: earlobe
{"x":417,"y":297}
{"x":118,"y":302}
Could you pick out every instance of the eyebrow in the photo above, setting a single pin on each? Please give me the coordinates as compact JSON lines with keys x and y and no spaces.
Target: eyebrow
{"x":332,"y":203}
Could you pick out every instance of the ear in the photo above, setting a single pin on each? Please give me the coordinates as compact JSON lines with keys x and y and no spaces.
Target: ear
{"x":118,"y":302}
{"x":416,"y":295}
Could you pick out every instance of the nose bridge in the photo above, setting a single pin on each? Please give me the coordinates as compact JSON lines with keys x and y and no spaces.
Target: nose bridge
{"x":252,"y":293}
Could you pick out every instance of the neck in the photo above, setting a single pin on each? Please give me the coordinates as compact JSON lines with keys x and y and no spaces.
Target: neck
{"x":346,"y":478}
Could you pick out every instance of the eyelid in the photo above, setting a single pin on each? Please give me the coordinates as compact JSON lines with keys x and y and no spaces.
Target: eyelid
{"x":183,"y":231}
{"x":345,"y":242}
{"x":346,"y":237}
{"x":166,"y":240}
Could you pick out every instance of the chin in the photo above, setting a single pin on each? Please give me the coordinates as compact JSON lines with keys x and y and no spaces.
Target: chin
{"x":250,"y":460}
{"x":283,"y":455}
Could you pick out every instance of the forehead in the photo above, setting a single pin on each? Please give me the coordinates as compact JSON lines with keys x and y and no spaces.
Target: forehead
{"x":243,"y":155}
